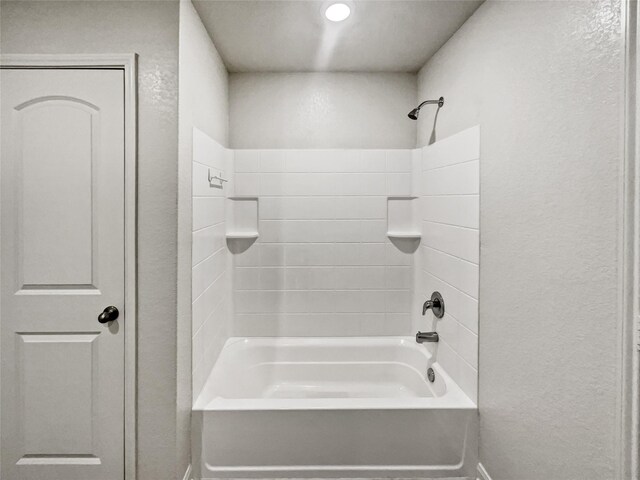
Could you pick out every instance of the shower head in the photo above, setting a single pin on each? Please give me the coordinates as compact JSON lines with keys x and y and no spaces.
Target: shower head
{"x":413,"y":114}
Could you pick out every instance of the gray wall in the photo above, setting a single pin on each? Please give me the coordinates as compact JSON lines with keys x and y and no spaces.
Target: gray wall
{"x":203,"y":93}
{"x":151,"y":30}
{"x":322,"y":110}
{"x":544,"y":82}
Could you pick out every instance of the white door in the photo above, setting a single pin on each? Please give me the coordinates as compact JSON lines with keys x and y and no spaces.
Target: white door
{"x":62,"y":263}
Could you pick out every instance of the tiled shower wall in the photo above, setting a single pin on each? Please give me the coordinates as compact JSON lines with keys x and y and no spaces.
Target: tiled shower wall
{"x":449,"y":255}
{"x":323,"y":264}
{"x":211,"y":260}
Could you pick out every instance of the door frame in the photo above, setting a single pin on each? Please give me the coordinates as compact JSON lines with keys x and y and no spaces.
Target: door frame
{"x":629,"y":256}
{"x":127,"y":63}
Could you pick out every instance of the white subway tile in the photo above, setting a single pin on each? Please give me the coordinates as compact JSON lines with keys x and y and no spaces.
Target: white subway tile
{"x":210,"y":298}
{"x":460,"y":210}
{"x":373,"y":161}
{"x":467,"y":378}
{"x":321,"y":278}
{"x":247,"y":184}
{"x":468,"y":346}
{"x":398,"y":301}
{"x":206,"y":241}
{"x":399,"y":184}
{"x":348,"y":161}
{"x":204,"y":273}
{"x":359,"y":254}
{"x":302,"y":161}
{"x":372,"y":207}
{"x":399,"y":161}
{"x":462,"y":274}
{"x":461,"y":147}
{"x":458,"y":241}
{"x":448,"y":329}
{"x":448,"y":359}
{"x":271,"y":278}
{"x":371,"y":254}
{"x":249,"y":301}
{"x":246,"y":161}
{"x":460,"y":179}
{"x":207,"y":211}
{"x":398,"y":277}
{"x":359,"y":278}
{"x":272,"y":255}
{"x":272,"y":160}
{"x":247,"y":278}
{"x":257,"y":325}
{"x":310,"y":254}
{"x":372,"y":230}
{"x":346,"y":207}
{"x":318,"y":301}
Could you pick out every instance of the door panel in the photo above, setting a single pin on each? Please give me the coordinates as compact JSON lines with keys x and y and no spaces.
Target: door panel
{"x":62,"y":263}
{"x":52,"y":254}
{"x":62,"y":365}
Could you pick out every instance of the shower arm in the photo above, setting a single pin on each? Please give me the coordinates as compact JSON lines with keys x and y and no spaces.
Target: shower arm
{"x":439,"y":102}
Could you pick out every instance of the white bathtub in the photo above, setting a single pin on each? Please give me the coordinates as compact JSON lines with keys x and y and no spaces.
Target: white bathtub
{"x":331,"y":407}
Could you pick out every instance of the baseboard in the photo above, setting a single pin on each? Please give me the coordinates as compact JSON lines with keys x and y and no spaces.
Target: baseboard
{"x":482,"y":473}
{"x":187,"y":473}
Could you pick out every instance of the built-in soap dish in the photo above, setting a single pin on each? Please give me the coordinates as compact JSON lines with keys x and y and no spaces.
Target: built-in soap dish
{"x":407,"y":235}
{"x":242,"y":218}
{"x":241,"y":235}
{"x":401,"y":219}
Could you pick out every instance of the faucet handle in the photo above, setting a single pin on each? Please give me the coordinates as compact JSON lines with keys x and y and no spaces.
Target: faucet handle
{"x":436,"y":304}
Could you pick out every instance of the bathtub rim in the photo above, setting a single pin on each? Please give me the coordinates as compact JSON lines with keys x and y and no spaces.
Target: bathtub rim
{"x":454,"y":398}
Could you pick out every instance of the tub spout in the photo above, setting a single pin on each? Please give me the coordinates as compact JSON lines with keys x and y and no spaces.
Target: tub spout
{"x":422,"y":337}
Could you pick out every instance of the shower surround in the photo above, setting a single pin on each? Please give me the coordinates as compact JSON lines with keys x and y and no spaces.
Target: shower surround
{"x":325,"y":280}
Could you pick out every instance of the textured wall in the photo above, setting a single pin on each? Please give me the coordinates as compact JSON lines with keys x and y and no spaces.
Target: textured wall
{"x":203,"y":94}
{"x":322,"y":110}
{"x":151,"y":30}
{"x":544,"y":82}
{"x":323,"y":265}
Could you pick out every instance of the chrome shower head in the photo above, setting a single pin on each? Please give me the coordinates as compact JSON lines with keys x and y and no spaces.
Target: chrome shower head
{"x":413,"y":114}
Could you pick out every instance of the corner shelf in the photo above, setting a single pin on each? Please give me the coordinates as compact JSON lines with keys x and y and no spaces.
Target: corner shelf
{"x":408,"y":235}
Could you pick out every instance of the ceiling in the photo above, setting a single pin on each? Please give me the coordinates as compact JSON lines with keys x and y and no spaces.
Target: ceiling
{"x":295,"y":36}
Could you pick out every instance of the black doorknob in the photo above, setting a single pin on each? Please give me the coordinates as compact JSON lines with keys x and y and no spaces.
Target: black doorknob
{"x":108,"y":314}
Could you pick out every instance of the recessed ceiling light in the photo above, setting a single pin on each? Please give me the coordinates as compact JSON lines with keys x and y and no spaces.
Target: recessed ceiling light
{"x":337,"y":12}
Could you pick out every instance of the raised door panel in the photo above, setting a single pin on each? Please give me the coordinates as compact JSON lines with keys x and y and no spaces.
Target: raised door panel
{"x":61,"y":422}
{"x":57,"y":151}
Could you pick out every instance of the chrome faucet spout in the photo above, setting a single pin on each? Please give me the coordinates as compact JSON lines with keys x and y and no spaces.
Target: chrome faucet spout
{"x":430,"y":337}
